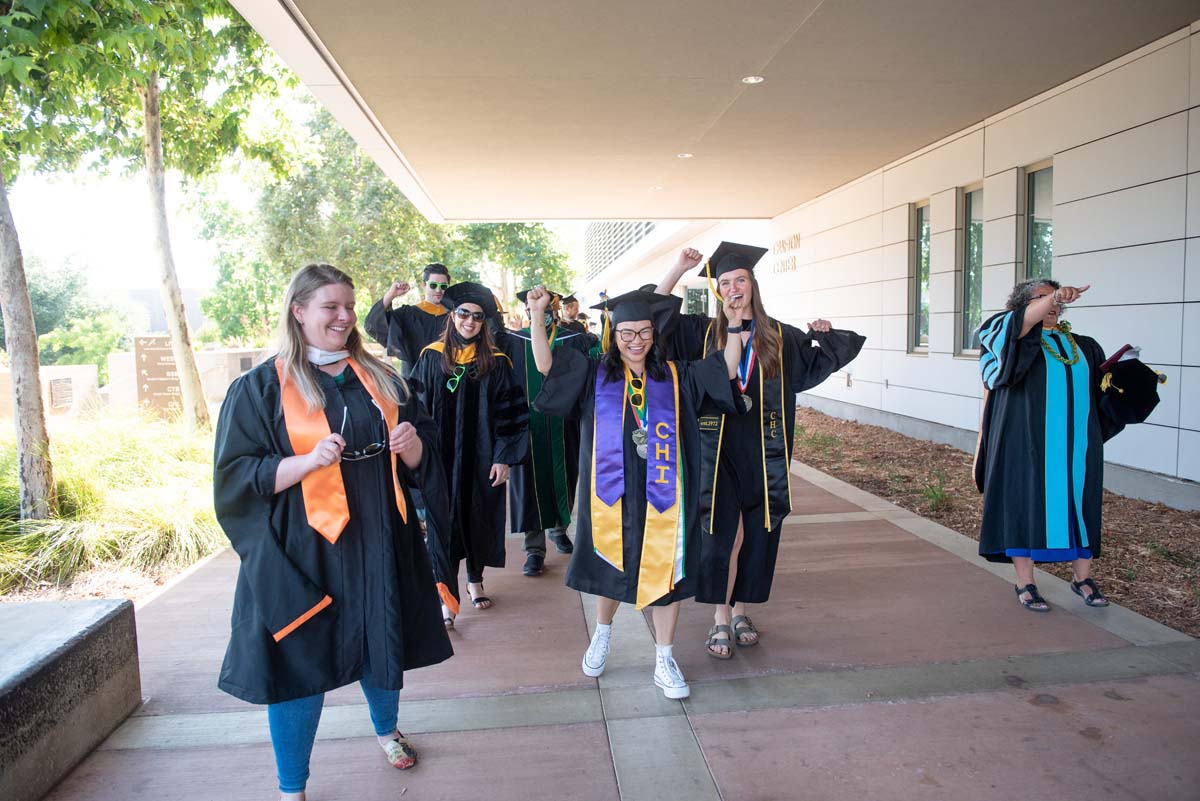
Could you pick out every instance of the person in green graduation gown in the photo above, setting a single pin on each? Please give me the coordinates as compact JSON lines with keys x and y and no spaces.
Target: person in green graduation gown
{"x":315,"y":452}
{"x":639,"y":469}
{"x":745,"y":459}
{"x":541,"y":490}
{"x":1040,"y":456}
{"x":467,"y":385}
{"x":405,"y":330}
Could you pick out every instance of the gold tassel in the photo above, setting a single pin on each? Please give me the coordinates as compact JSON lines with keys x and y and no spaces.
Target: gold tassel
{"x":606,"y":331}
{"x":711,"y":285}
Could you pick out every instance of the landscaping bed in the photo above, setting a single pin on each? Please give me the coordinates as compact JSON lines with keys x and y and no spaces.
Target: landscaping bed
{"x":1151,"y":560}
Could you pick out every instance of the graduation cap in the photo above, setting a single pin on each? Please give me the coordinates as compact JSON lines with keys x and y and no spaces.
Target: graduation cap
{"x":732,"y":256}
{"x":471,"y":292}
{"x":1130,"y":387}
{"x":635,"y":305}
{"x":556,"y":300}
{"x":569,"y":299}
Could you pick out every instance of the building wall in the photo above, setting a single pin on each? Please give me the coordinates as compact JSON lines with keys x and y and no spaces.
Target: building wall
{"x":1124,"y":142}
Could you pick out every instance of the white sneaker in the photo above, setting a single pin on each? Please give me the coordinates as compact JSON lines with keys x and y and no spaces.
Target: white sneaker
{"x":596,"y":654}
{"x":669,"y":678}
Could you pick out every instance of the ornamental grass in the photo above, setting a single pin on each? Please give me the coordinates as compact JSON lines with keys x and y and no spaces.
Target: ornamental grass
{"x":134,"y":493}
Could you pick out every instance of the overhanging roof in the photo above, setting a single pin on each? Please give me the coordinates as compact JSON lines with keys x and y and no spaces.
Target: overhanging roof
{"x":526,"y":110}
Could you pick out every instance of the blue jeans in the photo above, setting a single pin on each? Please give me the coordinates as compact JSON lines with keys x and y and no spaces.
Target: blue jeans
{"x":293,"y":726}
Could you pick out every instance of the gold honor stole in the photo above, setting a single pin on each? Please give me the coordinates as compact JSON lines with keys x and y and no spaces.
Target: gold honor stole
{"x":663,"y":535}
{"x":777,"y":478}
{"x":465,"y":355}
{"x":323,"y":490}
{"x":436,"y":309}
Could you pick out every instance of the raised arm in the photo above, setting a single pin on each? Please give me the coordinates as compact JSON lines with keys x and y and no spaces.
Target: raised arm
{"x":688,"y":259}
{"x":733,"y":339}
{"x":1038,"y":308}
{"x":537,"y":300}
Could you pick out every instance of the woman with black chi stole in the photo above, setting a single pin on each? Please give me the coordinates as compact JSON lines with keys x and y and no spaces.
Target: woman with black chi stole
{"x":745,"y":460}
{"x":316,"y":450}
{"x":639,"y":462}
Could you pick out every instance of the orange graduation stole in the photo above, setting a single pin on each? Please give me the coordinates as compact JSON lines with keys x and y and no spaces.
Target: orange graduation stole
{"x":323,"y":489}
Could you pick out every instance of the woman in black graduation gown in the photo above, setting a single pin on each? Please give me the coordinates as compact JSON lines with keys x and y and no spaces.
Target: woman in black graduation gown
{"x":1040,"y":458}
{"x":746,"y":459}
{"x":638,"y":470}
{"x":469,"y":389}
{"x":315,"y":450}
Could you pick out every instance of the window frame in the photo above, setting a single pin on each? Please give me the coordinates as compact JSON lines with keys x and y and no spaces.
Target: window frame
{"x":914,"y":256}
{"x":962,"y":342}
{"x":1027,"y":218}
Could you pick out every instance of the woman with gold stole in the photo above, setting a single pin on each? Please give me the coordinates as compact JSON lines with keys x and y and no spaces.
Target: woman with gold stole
{"x":468,"y":387}
{"x":745,"y":459}
{"x":315,"y":452}
{"x":635,"y":541}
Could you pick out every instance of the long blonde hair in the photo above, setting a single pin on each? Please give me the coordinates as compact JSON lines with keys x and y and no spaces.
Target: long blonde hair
{"x":293,"y":348}
{"x":767,"y":342}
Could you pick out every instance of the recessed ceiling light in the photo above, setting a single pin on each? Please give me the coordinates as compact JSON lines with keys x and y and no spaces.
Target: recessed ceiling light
{"x":655,"y":188}
{"x":684,"y":156}
{"x":753,"y":79}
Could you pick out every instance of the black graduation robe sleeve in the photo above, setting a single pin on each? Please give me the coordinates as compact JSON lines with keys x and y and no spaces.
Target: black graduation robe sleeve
{"x":808,"y":366}
{"x":709,"y":378}
{"x":1004,"y":355}
{"x":430,"y":478}
{"x":510,"y":414}
{"x":565,"y":388}
{"x":245,"y":461}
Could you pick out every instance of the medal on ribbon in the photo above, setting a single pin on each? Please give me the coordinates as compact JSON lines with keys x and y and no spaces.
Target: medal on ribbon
{"x":746,"y":368}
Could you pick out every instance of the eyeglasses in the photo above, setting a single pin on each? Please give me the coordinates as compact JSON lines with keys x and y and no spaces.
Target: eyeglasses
{"x":628,"y":335}
{"x":463,"y":314}
{"x":459,"y":372}
{"x":436,"y":285}
{"x":374,"y":449}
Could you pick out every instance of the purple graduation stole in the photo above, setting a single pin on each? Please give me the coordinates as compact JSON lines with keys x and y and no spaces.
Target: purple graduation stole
{"x":662,"y":538}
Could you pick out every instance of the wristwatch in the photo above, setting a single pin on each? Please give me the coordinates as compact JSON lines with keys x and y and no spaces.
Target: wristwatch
{"x":735,"y":329}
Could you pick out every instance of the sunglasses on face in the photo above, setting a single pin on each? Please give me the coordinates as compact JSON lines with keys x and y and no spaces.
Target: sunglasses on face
{"x":459,"y":372}
{"x":374,"y":449}
{"x":463,"y":314}
{"x":438,"y":286}
{"x":628,"y":335}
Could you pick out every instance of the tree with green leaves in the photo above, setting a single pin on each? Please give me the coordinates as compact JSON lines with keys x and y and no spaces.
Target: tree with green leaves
{"x":87,"y":340}
{"x":337,"y":206}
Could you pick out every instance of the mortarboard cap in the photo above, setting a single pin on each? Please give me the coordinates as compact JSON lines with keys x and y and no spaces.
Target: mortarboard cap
{"x":635,"y":305}
{"x":732,"y":256}
{"x":570,"y":299}
{"x":555,"y":299}
{"x":471,"y":292}
{"x":1130,"y":390}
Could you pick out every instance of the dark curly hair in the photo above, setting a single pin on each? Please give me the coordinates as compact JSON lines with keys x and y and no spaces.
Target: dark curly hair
{"x":1022,"y":293}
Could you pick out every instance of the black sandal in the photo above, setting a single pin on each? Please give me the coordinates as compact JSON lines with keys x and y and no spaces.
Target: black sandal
{"x":1096,"y":598}
{"x":1036,"y":602}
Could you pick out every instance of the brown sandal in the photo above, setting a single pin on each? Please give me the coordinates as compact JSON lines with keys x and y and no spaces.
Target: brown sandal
{"x":741,"y":627}
{"x":713,"y":641}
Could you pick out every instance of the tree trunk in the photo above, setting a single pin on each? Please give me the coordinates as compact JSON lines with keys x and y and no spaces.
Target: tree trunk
{"x":195,"y":409}
{"x":35,"y":477}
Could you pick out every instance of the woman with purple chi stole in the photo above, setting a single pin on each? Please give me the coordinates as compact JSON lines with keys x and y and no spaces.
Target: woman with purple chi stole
{"x":638,"y":468}
{"x":1039,"y":461}
{"x":745,"y":460}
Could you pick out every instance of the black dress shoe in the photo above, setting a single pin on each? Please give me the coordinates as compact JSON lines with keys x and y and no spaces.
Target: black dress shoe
{"x":534,"y":564}
{"x":562,"y":543}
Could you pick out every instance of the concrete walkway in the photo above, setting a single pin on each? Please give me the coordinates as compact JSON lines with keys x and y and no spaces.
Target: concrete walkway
{"x":894,"y":664}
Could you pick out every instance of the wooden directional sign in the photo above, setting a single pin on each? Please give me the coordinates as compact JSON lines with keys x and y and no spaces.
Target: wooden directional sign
{"x":157,"y":378}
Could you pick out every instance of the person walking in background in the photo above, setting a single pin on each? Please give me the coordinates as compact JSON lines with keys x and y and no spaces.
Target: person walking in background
{"x":541,"y":490}
{"x":315,"y":451}
{"x":745,"y":459}
{"x":636,"y":536}
{"x":405,"y":330}
{"x":467,"y":385}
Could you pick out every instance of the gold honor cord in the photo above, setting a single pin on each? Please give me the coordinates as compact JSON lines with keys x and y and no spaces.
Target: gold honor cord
{"x":660,"y":537}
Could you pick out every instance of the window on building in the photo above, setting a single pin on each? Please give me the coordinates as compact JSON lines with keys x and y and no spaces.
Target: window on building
{"x":696,"y":301}
{"x":972,"y":276}
{"x":1039,"y":215}
{"x":920,"y":280}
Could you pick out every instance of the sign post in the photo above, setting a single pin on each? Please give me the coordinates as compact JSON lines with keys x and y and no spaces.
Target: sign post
{"x":157,"y":378}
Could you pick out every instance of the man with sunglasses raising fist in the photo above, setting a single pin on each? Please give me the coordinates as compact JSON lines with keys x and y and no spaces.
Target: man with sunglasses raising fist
{"x":405,"y":330}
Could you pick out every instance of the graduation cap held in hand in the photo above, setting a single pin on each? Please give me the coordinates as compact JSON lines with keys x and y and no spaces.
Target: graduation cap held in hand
{"x":1129,"y":387}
